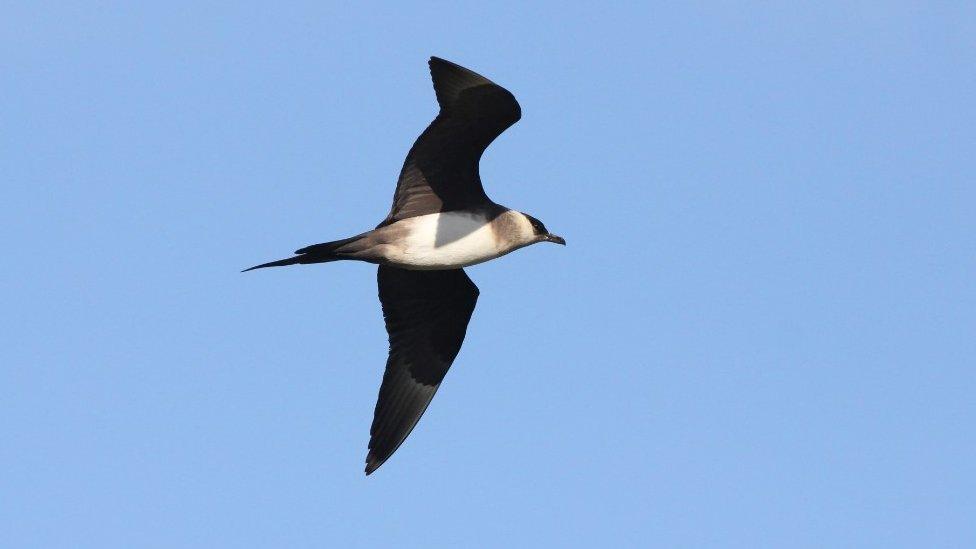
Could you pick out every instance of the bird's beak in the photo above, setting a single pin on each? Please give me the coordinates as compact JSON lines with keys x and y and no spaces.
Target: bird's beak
{"x":555,"y":239}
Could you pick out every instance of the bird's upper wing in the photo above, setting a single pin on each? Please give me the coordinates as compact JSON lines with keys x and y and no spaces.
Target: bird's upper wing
{"x":426,"y":314}
{"x":441,"y":170}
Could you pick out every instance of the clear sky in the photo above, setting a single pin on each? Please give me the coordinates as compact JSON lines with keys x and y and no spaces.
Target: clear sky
{"x":761,"y":333}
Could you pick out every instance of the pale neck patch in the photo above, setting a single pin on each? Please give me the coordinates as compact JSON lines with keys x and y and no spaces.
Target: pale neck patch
{"x":518,"y":228}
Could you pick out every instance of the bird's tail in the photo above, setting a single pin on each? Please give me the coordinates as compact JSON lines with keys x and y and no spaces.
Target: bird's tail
{"x":316,"y":253}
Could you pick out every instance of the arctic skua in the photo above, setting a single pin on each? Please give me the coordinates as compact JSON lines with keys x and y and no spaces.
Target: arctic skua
{"x":441,"y":221}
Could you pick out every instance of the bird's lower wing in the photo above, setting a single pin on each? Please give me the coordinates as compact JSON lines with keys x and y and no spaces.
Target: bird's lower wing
{"x":426,"y":315}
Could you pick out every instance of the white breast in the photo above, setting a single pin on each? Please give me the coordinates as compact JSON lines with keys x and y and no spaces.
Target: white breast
{"x":445,"y":241}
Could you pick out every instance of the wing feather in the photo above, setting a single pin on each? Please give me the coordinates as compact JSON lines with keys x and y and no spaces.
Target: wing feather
{"x":426,"y":315}
{"x":440,"y":172}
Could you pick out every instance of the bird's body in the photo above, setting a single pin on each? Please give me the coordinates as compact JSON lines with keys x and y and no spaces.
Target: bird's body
{"x":448,"y":240}
{"x":453,"y":240}
{"x":440,"y":222}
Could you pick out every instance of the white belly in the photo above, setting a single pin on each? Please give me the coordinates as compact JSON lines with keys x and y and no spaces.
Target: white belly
{"x":445,"y":241}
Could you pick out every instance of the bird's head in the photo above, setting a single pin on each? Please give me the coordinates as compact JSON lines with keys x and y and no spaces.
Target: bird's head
{"x":540,"y":233}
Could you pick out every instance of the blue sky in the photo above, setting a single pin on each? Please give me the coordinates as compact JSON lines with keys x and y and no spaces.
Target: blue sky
{"x":761,"y":333}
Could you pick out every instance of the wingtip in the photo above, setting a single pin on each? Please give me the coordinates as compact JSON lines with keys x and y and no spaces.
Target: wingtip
{"x":372,"y":464}
{"x":375,"y":460}
{"x":434,"y":62}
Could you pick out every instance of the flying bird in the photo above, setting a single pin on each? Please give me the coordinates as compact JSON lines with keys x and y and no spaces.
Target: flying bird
{"x":441,"y":221}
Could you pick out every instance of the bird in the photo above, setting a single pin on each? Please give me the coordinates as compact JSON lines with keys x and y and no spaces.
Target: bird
{"x":440,"y":222}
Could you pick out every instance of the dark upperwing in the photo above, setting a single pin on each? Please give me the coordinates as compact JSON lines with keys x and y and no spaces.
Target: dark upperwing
{"x":426,"y":315}
{"x":441,"y":170}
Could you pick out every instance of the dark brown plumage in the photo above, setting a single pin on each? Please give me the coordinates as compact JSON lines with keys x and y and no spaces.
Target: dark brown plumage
{"x":426,"y":315}
{"x":440,"y":173}
{"x":441,"y":220}
{"x":427,"y":312}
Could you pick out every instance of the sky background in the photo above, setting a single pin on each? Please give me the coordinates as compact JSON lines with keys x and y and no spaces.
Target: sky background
{"x":761,"y":333}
